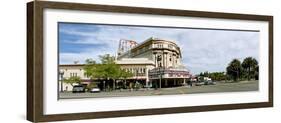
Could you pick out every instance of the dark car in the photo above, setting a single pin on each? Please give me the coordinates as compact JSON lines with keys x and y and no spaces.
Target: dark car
{"x":78,"y":89}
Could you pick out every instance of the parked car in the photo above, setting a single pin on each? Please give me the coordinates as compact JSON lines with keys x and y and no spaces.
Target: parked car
{"x":199,"y":83}
{"x":95,"y":90}
{"x":209,"y":82}
{"x":78,"y":89}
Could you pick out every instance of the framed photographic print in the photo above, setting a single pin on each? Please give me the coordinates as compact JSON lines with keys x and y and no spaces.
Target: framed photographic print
{"x":89,"y":61}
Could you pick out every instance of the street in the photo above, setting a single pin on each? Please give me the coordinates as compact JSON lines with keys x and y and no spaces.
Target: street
{"x":218,"y":87}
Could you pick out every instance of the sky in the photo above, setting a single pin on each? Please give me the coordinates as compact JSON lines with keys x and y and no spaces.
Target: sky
{"x":202,"y":49}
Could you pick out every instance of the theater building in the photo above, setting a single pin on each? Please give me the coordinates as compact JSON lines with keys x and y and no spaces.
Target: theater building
{"x":163,"y":61}
{"x":154,"y":63}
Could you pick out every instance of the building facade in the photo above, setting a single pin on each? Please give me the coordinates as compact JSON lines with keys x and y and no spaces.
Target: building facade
{"x":71,"y":70}
{"x":166,"y":69}
{"x":154,"y":63}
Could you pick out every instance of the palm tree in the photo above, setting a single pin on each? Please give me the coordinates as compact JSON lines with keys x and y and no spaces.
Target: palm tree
{"x":249,"y":64}
{"x":234,"y":69}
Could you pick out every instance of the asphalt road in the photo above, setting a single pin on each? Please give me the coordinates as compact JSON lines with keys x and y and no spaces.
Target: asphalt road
{"x":219,"y":87}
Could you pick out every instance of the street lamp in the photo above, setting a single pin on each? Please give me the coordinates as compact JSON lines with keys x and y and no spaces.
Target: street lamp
{"x":61,"y":81}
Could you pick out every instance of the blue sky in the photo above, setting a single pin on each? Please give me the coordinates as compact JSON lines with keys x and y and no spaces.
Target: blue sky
{"x":202,"y":49}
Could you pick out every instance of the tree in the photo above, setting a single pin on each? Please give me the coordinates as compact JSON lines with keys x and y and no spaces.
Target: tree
{"x":106,"y":70}
{"x":124,"y":75}
{"x":234,"y":69}
{"x":91,"y":86}
{"x":206,"y":74}
{"x":217,"y":76}
{"x":257,"y":73}
{"x":107,"y":59}
{"x":72,"y":80}
{"x":250,"y":64}
{"x":201,"y":74}
{"x":90,"y":69}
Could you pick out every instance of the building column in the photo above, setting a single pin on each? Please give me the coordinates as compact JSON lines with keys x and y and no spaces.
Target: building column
{"x":184,"y":81}
{"x":173,"y":59}
{"x":166,"y":83}
{"x":165,"y":60}
{"x":147,"y":77}
{"x":155,"y":59}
